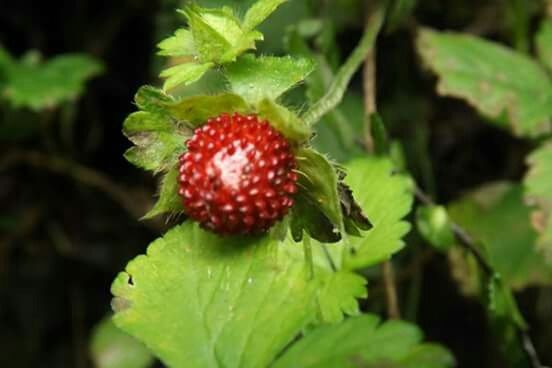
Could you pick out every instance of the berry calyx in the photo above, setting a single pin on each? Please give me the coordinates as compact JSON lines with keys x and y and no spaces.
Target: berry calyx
{"x":237,"y":176}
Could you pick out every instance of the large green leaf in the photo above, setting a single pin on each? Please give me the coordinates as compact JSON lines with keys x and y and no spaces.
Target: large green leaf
{"x":506,"y":86}
{"x":199,"y":300}
{"x":29,"y":83}
{"x":538,"y":186}
{"x":385,"y":197}
{"x":497,"y":217}
{"x":112,"y":348}
{"x":544,"y":43}
{"x":365,"y":342}
{"x":266,"y":77}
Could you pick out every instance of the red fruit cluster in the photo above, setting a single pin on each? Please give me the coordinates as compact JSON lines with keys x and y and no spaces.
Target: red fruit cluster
{"x":238,"y":175}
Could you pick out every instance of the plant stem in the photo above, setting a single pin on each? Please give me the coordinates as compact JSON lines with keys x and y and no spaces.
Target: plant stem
{"x":393,"y":310}
{"x":307,"y":247}
{"x":339,"y":85}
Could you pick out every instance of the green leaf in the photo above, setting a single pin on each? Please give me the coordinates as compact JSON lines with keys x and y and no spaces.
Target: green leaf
{"x":339,"y":296}
{"x":497,"y":216}
{"x":495,"y":80}
{"x":318,"y":181}
{"x":538,"y":192}
{"x":200,"y":300}
{"x":210,"y":44}
{"x":185,"y":74}
{"x":365,"y":342}
{"x":159,"y":141}
{"x":544,"y":43}
{"x":169,"y":201}
{"x":266,"y":77}
{"x":195,"y":110}
{"x":385,"y":197}
{"x":379,"y":135}
{"x":39,"y":86}
{"x":285,"y":121}
{"x":112,"y":348}
{"x":434,"y":225}
{"x":180,"y":44}
{"x":259,"y":12}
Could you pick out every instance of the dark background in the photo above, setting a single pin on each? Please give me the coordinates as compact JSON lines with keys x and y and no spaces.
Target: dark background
{"x":69,"y":235}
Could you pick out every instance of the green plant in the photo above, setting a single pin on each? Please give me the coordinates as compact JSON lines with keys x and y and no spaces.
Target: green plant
{"x":290,"y":297}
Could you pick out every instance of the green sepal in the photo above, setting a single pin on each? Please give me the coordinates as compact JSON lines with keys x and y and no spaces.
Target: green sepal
{"x":318,"y":198}
{"x":158,"y":140}
{"x":306,"y":216}
{"x":195,"y":110}
{"x":169,"y":201}
{"x":285,"y":121}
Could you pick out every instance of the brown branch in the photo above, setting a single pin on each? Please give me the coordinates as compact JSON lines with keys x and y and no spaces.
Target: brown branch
{"x":369,"y":86}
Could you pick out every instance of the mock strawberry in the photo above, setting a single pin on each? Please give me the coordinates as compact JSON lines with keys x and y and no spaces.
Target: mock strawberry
{"x":237,"y":176}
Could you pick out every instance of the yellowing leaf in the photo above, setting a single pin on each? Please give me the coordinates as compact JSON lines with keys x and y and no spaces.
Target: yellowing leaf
{"x":495,"y":80}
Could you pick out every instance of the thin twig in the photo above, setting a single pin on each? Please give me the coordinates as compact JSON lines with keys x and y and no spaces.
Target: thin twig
{"x":392,"y":300}
{"x":339,"y":85}
{"x":369,"y":84}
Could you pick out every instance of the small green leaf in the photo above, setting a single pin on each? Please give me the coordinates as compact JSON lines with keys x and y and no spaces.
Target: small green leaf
{"x":544,"y":43}
{"x":266,"y":77}
{"x":185,"y":74}
{"x":159,"y":141}
{"x":112,"y":348}
{"x":285,"y":121}
{"x":538,"y":192}
{"x":434,"y":225}
{"x":259,"y":12}
{"x":364,"y":341}
{"x":38,"y":86}
{"x":339,"y":296}
{"x":196,"y":110}
{"x":169,"y":201}
{"x":180,"y":44}
{"x":492,"y":78}
{"x":209,"y":43}
{"x":318,"y":181}
{"x":385,"y":196}
{"x":497,"y":216}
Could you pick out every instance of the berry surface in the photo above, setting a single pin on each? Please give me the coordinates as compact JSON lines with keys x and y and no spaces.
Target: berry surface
{"x":237,"y":176}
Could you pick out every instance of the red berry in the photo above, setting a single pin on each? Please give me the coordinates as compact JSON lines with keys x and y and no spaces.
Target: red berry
{"x":238,"y":175}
